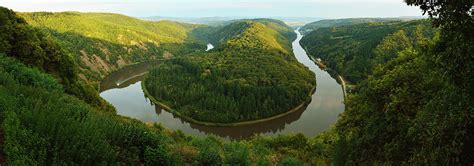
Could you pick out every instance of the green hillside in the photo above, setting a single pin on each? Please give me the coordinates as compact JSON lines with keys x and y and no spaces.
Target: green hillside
{"x":412,"y":104}
{"x":101,"y":42}
{"x":353,"y":50}
{"x":33,"y":47}
{"x":252,"y":74}
{"x":328,"y":23}
{"x":272,"y":34}
{"x":218,"y":35}
{"x":412,"y":101}
{"x":43,"y":124}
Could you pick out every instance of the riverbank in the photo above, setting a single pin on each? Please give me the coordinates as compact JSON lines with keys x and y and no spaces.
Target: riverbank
{"x":234,"y":124}
{"x":339,"y":78}
{"x":315,"y":117}
{"x":122,"y":77}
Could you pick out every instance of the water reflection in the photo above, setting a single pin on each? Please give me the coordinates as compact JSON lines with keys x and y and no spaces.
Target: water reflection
{"x":127,"y":76}
{"x":123,"y":90}
{"x":209,"y":47}
{"x":240,"y":132}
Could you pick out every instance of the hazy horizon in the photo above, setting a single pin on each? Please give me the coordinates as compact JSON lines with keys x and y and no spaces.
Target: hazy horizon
{"x":225,"y":8}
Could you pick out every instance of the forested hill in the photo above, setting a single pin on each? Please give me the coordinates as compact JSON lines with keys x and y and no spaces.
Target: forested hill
{"x":220,"y":35}
{"x":354,"y":50}
{"x":412,"y":103}
{"x":327,"y":23}
{"x":252,"y":74}
{"x":101,"y":42}
{"x":414,"y":107}
{"x":44,"y":120}
{"x":33,"y":47}
{"x":260,"y":33}
{"x":42,"y":125}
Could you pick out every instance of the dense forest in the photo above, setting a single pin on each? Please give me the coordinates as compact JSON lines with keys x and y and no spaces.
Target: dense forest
{"x":43,"y":124}
{"x":37,"y":49}
{"x":412,"y":103}
{"x":251,"y":74}
{"x":328,"y":23}
{"x":107,"y":42}
{"x":353,"y":50}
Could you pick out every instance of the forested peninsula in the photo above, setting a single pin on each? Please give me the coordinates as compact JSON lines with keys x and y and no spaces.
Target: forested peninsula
{"x":411,"y":103}
{"x":252,"y":74}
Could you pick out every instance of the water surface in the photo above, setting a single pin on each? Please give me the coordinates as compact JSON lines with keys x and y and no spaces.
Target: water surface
{"x":123,"y":90}
{"x":209,"y":47}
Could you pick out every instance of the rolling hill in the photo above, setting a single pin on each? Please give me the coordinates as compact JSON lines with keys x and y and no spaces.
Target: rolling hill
{"x":412,"y":104}
{"x":251,"y":74}
{"x":102,"y":42}
{"x":353,"y":50}
{"x":47,"y":118}
{"x":327,"y":23}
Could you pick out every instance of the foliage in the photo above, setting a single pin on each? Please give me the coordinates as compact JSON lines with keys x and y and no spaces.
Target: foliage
{"x":44,"y":126}
{"x":101,"y":43}
{"x":31,"y":108}
{"x":412,"y":110}
{"x":282,"y":33}
{"x":236,"y":153}
{"x":455,"y":49}
{"x":414,"y":107}
{"x":290,"y":161}
{"x":329,"y":23}
{"x":209,"y":156}
{"x":157,"y":156}
{"x":31,"y":46}
{"x":353,"y":50}
{"x":250,"y":76}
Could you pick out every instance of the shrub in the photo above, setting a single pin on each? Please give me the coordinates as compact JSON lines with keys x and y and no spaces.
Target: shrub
{"x":290,"y":161}
{"x":157,"y":156}
{"x":236,"y":153}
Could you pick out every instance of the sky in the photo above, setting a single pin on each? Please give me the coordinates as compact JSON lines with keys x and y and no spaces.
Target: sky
{"x":224,"y":8}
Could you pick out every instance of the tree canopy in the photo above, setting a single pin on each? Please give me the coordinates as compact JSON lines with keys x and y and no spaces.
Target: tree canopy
{"x":415,"y":107}
{"x":252,"y":74}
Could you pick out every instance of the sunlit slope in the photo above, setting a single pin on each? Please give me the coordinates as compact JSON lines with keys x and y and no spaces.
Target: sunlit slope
{"x":104,"y":42}
{"x":115,"y":28}
{"x":251,"y":74}
{"x":38,"y":117}
{"x":259,"y":33}
{"x":45,"y":121}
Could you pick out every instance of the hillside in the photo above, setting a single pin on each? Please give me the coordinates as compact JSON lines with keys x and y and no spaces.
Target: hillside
{"x":38,"y":50}
{"x":220,"y":34}
{"x":273,"y":34}
{"x":41,"y":125}
{"x":44,"y":124}
{"x":101,"y":42}
{"x":353,"y":50}
{"x":328,"y":23}
{"x":412,"y":101}
{"x":252,"y":74}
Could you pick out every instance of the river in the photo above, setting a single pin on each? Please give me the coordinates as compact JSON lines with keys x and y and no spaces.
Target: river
{"x":123,"y":90}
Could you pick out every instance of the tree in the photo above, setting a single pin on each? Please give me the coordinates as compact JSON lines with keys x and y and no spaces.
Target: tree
{"x":456,"y":46}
